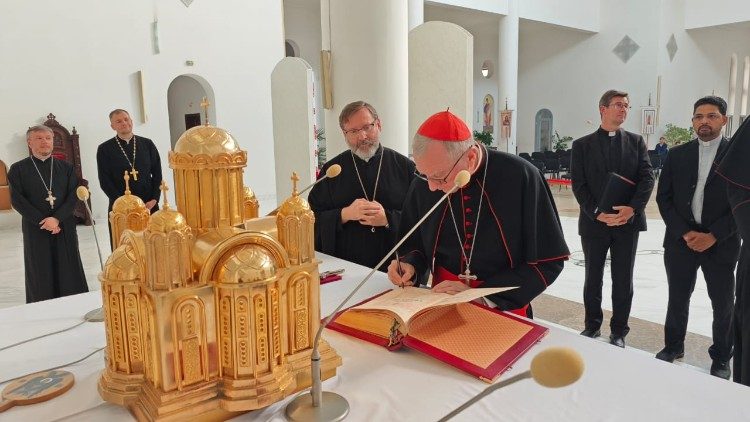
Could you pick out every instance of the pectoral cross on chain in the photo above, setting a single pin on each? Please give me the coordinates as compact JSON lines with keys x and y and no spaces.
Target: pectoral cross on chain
{"x":134,"y":173}
{"x":50,"y":199}
{"x":467,"y":277}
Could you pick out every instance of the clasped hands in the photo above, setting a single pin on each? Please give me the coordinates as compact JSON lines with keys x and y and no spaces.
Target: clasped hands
{"x":698,"y":241}
{"x":51,"y":224}
{"x":368,"y":213}
{"x":623,"y":215}
{"x":402,"y":273}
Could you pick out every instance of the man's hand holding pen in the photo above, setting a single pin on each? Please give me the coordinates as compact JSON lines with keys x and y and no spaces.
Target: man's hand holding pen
{"x":401,"y":273}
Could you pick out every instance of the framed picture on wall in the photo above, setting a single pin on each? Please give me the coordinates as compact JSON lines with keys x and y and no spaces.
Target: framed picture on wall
{"x":505,"y":121}
{"x":648,"y":120}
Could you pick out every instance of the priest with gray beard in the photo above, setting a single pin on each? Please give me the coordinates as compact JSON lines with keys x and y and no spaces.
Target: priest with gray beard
{"x":357,"y":213}
{"x":43,"y":191}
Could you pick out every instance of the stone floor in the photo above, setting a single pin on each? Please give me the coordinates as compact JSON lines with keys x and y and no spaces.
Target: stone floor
{"x":562,"y":303}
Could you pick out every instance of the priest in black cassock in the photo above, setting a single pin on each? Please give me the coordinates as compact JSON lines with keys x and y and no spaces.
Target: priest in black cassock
{"x":43,"y":191}
{"x":357,"y":213}
{"x":734,"y":168}
{"x":501,"y":229}
{"x":136,"y":155}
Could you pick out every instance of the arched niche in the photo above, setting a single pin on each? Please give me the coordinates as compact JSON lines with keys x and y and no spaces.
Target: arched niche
{"x":184,"y":97}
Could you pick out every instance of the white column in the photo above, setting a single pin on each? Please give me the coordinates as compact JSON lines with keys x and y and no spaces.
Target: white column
{"x":369,"y":41}
{"x":293,"y":125}
{"x":416,"y":13}
{"x":441,"y":72}
{"x":508,"y":69}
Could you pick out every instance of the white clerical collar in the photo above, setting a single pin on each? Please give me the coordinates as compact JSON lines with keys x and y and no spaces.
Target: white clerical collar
{"x":709,"y":143}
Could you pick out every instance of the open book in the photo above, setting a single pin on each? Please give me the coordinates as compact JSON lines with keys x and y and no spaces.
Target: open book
{"x":472,"y":337}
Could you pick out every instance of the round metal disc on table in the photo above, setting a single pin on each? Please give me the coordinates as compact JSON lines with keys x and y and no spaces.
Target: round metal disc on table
{"x":36,"y":388}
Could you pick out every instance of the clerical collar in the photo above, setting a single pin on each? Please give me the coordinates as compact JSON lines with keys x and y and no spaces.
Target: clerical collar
{"x":122,"y":140}
{"x":41,"y":160}
{"x":610,"y":134}
{"x":709,"y":143}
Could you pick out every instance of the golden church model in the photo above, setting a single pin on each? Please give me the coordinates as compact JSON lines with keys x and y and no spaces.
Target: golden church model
{"x":209,"y":310}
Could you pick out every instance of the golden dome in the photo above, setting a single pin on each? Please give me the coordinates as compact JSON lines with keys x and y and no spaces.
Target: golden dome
{"x":166,"y":220}
{"x":128,"y":203}
{"x":249,"y":194}
{"x":122,"y":264}
{"x":295,"y":205}
{"x":246,"y":264}
{"x":206,"y":139}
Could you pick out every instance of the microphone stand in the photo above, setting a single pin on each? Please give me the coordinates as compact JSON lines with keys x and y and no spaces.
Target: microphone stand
{"x":332,"y":172}
{"x":96,"y":315}
{"x":487,"y":391}
{"x":329,"y":406}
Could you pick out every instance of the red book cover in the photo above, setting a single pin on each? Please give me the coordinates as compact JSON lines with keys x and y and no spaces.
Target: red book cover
{"x":474,"y":338}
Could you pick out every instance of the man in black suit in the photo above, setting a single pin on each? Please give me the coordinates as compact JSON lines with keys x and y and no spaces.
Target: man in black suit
{"x":700,"y":233}
{"x":610,"y":149}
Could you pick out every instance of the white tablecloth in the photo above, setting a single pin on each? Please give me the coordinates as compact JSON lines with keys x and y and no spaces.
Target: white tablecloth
{"x":618,"y":385}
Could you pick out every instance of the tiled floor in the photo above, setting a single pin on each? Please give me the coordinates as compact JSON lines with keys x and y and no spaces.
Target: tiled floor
{"x":561,"y":304}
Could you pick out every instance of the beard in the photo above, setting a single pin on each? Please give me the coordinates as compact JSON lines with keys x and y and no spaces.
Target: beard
{"x":365,"y":149}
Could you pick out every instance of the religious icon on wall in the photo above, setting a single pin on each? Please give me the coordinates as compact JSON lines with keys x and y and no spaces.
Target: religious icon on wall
{"x":489,"y":110}
{"x":505,"y":121}
{"x":648,"y":120}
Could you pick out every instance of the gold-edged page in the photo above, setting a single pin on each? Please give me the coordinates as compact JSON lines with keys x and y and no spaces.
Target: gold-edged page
{"x":377,"y":322}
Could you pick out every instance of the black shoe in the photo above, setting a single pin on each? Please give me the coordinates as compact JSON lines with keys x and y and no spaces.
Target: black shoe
{"x":721,"y":369}
{"x":668,"y":355}
{"x":617,"y":340}
{"x":591,"y":332}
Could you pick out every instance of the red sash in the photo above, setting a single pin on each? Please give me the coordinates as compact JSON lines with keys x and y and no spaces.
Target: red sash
{"x":440,"y":274}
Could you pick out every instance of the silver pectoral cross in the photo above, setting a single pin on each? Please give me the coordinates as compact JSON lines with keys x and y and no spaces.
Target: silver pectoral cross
{"x":50,"y":199}
{"x":467,"y":276}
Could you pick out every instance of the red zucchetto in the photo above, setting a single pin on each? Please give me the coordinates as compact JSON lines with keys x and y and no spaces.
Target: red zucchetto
{"x":445,"y":126}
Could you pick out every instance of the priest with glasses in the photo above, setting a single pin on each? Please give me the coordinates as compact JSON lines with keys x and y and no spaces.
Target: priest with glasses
{"x":502,"y":229}
{"x":357,"y":213}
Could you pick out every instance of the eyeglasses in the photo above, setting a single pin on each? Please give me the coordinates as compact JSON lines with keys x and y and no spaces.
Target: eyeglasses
{"x":621,"y":106}
{"x":710,"y":116}
{"x":366,"y":129}
{"x":442,"y":180}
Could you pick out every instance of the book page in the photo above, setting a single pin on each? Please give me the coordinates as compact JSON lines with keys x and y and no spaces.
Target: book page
{"x":409,"y":301}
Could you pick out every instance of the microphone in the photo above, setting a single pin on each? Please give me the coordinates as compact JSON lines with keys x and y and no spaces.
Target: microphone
{"x":554,"y":367}
{"x":83,"y":194}
{"x":320,"y":405}
{"x":332,"y":172}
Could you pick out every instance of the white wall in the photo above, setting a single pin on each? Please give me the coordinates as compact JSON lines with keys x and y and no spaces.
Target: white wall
{"x":185,"y":97}
{"x":77,"y":60}
{"x":567,"y":71}
{"x":578,"y":14}
{"x":492,"y":6}
{"x":702,"y":13}
{"x":701,"y":65}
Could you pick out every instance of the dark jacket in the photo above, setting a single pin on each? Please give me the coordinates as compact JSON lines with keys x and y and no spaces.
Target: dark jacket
{"x":677,"y":184}
{"x":588,"y":170}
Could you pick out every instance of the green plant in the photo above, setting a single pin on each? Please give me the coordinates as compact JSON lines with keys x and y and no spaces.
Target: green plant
{"x":483,"y":137}
{"x":560,"y":143}
{"x":676,"y":135}
{"x":320,"y":137}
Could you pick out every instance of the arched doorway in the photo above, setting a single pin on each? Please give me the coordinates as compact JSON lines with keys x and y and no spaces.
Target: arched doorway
{"x":184,"y":97}
{"x":543,"y":130}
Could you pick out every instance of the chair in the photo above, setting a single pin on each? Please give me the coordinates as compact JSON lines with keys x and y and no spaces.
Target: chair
{"x":540,"y":165}
{"x":66,"y":148}
{"x":4,"y":188}
{"x":537,"y":155}
{"x":525,"y":156}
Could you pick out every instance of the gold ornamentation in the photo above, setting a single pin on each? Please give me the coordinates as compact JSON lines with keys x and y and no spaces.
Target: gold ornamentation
{"x":205,"y":309}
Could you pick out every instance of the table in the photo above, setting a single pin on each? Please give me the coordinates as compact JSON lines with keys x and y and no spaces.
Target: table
{"x":618,"y":385}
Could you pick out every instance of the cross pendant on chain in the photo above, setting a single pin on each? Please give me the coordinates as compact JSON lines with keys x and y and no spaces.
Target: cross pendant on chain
{"x":50,"y":199}
{"x":134,"y":173}
{"x":467,"y":276}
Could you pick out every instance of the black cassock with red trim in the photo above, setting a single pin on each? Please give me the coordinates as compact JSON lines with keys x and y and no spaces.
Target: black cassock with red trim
{"x":519,"y":240}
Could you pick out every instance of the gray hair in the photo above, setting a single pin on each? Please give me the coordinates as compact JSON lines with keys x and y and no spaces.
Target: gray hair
{"x":38,"y":128}
{"x":454,"y":149}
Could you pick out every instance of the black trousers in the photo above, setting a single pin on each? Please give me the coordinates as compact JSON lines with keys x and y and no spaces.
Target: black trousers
{"x":622,"y":243}
{"x":682,"y":266}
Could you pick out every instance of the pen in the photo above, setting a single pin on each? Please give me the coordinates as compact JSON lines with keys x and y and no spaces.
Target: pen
{"x":400,"y":270}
